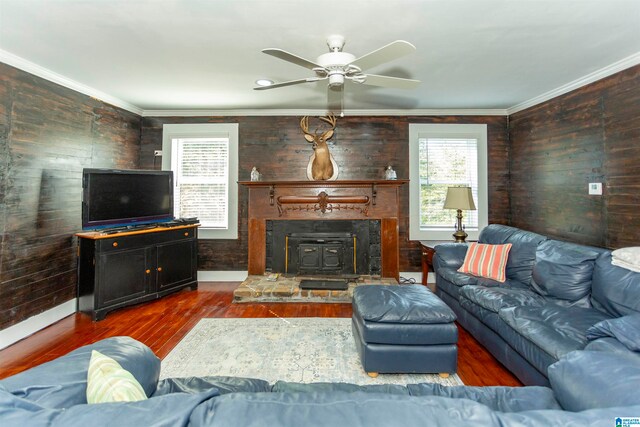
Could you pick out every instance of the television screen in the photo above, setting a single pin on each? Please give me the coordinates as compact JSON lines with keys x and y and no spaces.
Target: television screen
{"x":113,"y":198}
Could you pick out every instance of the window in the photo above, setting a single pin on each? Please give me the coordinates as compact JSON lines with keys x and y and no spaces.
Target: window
{"x":442,"y":156}
{"x":204,"y":160}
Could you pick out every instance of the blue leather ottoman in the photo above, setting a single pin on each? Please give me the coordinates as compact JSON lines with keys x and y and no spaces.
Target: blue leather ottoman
{"x":404,"y":329}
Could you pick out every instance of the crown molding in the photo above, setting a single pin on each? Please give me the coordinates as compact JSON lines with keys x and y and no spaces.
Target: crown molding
{"x":22,"y":64}
{"x":304,"y":112}
{"x":30,"y":67}
{"x":607,"y":71}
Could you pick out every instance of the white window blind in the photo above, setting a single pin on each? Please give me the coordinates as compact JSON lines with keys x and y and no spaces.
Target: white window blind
{"x":442,"y":155}
{"x":204,"y":161}
{"x":202,"y":170}
{"x":446,"y":162}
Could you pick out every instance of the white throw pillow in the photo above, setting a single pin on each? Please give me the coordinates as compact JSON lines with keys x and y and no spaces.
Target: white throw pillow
{"x":107,"y":381}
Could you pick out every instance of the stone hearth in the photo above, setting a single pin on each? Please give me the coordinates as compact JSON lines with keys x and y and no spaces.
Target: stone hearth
{"x":257,"y":288}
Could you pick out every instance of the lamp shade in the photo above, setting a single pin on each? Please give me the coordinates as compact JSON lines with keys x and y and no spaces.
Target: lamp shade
{"x":459,"y":198}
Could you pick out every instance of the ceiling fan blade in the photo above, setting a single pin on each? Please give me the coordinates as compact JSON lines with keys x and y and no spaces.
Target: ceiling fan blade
{"x":386,"y":53}
{"x":391,"y":82}
{"x":335,"y":99}
{"x":290,"y":57}
{"x":288,"y":83}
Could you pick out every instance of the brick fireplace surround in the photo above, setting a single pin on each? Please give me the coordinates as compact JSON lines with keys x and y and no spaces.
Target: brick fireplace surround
{"x":325,"y":201}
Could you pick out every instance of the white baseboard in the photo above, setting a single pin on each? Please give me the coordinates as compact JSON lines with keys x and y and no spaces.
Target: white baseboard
{"x":222,"y":276}
{"x":40,"y":321}
{"x":33,"y":324}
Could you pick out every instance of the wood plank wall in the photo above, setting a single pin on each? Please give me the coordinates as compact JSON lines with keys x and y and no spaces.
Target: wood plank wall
{"x":48,"y":133}
{"x":591,"y":134}
{"x":362,"y":147}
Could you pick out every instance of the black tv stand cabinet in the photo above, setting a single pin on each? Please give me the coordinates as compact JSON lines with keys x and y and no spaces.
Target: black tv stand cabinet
{"x":130,"y":267}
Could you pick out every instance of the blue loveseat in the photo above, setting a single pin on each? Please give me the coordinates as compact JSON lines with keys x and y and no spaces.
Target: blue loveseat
{"x":584,"y":393}
{"x":554,"y":293}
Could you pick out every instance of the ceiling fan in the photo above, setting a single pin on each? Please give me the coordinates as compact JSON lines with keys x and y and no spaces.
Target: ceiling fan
{"x":338,"y":67}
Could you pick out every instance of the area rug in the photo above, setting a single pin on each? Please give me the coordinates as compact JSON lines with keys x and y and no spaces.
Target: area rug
{"x":292,"y":349}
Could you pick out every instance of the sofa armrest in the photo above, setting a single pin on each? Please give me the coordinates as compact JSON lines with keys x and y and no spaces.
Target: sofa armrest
{"x":584,"y":380}
{"x":62,"y":382}
{"x":449,"y":255}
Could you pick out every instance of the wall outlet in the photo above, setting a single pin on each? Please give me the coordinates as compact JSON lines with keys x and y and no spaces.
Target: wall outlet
{"x":157,"y":153}
{"x":595,"y":188}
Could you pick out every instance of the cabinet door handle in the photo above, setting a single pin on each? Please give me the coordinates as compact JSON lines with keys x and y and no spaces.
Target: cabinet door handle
{"x":147,"y":271}
{"x":159,"y":268}
{"x":186,"y":234}
{"x":115,"y":244}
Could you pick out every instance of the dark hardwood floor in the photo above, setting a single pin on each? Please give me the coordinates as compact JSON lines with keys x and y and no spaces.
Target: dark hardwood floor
{"x":163,"y":323}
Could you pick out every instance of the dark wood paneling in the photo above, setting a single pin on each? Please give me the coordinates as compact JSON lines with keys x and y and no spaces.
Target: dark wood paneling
{"x":589,"y":135}
{"x":48,"y":133}
{"x":362,"y":148}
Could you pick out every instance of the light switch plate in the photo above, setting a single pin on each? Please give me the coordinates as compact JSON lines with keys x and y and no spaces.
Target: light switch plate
{"x":595,"y":188}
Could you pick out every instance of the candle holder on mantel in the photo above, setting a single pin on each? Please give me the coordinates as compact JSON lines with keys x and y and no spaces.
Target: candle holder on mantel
{"x":459,"y":198}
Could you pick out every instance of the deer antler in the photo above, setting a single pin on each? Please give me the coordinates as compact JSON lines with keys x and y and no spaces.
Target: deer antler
{"x":315,"y":137}
{"x":304,"y":124}
{"x":331,"y":119}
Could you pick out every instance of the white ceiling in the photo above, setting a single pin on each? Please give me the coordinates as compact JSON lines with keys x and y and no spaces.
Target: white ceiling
{"x":150,"y":55}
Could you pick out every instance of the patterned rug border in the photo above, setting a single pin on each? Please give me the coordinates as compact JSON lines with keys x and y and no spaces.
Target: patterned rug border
{"x":279,"y":349}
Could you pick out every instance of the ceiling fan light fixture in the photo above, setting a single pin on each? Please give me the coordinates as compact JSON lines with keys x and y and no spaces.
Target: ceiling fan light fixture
{"x":336,"y":79}
{"x":264,"y":82}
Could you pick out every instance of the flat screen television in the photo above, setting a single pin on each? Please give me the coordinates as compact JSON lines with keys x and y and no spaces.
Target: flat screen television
{"x":118,"y":198}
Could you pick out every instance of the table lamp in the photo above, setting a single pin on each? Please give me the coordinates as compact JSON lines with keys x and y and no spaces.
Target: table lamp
{"x":459,"y":198}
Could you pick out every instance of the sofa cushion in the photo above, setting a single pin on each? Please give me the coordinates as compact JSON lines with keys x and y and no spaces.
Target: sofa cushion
{"x":291,"y":387}
{"x":504,"y":399}
{"x":554,"y":329}
{"x":488,"y":261}
{"x":62,"y":383}
{"x":496,"y":298}
{"x":615,"y":290}
{"x":608,"y":344}
{"x":223,"y":384}
{"x":340,"y":409}
{"x":456,"y":278}
{"x":487,"y":317}
{"x":596,"y":379}
{"x":564,"y":270}
{"x":523,"y":253}
{"x":463,"y":279}
{"x":625,"y":329}
{"x":108,"y":382}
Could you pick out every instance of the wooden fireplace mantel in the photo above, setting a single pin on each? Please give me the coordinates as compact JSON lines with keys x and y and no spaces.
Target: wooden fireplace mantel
{"x":325,"y":200}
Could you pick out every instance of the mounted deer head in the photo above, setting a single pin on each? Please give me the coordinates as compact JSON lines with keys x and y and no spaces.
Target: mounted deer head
{"x":321,"y":163}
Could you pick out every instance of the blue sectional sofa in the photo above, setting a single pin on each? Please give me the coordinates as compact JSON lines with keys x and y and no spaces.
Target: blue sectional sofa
{"x":584,"y":393}
{"x":554,"y":293}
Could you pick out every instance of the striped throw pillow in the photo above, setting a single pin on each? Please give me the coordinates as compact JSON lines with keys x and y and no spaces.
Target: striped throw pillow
{"x":107,"y":381}
{"x":488,"y":261}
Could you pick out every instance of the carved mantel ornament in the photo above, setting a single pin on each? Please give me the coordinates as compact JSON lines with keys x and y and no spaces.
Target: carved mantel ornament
{"x":323,"y":203}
